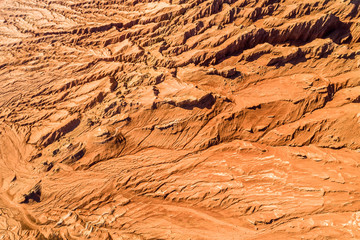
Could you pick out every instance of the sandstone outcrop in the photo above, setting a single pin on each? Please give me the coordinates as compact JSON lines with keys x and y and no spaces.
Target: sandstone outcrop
{"x":179,"y":119}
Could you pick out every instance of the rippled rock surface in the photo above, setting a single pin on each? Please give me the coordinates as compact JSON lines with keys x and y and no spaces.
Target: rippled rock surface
{"x":179,"y":119}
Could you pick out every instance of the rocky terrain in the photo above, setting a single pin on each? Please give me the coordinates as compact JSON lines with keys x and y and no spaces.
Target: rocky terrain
{"x":179,"y":119}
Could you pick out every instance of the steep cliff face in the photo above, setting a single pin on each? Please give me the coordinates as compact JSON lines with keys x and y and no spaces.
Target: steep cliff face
{"x":179,"y":119}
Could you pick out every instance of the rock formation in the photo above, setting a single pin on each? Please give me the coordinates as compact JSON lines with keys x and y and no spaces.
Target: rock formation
{"x":179,"y":119}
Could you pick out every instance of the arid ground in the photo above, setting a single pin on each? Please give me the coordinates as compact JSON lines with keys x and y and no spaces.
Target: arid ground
{"x":179,"y":119}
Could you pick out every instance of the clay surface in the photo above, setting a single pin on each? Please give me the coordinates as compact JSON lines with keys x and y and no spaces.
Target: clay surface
{"x":179,"y":119}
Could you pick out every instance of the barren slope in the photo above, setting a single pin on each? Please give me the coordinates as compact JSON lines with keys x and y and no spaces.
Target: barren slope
{"x":179,"y":119}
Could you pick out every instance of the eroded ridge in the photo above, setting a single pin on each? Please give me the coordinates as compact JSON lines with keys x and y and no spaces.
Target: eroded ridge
{"x":206,"y":119}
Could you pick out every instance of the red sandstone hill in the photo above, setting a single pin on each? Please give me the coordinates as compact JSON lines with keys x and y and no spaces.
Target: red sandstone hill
{"x":179,"y":119}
